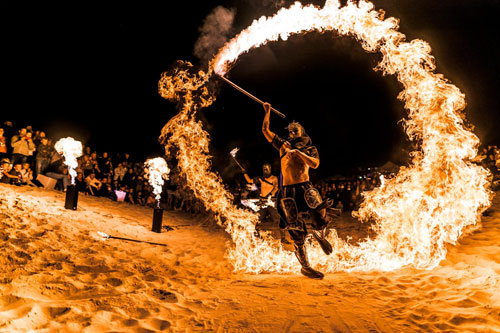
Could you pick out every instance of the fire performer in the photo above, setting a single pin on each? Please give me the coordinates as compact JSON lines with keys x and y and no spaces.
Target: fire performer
{"x":298,"y":197}
{"x":268,"y":185}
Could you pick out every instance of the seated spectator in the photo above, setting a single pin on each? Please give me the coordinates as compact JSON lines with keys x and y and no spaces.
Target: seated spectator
{"x":16,"y":172}
{"x":5,"y":173}
{"x":339,"y":206}
{"x":130,"y":178}
{"x":106,"y":188}
{"x":120,"y":172}
{"x":151,"y":201}
{"x":93,"y":184}
{"x":140,"y":199}
{"x":81,"y":185}
{"x":26,"y":174}
{"x":59,"y":171}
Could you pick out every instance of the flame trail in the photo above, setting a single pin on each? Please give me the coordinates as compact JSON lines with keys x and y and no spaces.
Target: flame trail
{"x":71,"y":150}
{"x":156,"y":171}
{"x":426,"y":206}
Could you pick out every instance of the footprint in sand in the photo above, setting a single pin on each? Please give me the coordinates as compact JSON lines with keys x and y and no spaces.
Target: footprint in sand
{"x":54,"y":312}
{"x":130,"y":322}
{"x":164,"y":295}
{"x":142,"y":313}
{"x":114,"y":282}
{"x":160,"y":325}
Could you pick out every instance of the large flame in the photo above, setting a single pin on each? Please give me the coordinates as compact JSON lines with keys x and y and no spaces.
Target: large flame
{"x":156,"y":171}
{"x":71,"y":149}
{"x":416,"y":213}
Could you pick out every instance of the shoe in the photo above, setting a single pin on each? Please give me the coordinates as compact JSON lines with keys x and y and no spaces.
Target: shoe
{"x":311,"y":273}
{"x":285,"y":241}
{"x":325,"y":245}
{"x":301,"y":254}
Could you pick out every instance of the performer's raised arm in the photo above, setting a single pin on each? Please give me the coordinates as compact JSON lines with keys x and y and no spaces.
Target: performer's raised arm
{"x":265,"y":124}
{"x":247,"y":178}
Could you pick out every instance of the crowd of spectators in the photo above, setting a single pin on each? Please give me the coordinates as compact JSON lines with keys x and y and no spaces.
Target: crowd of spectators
{"x":25,"y":154}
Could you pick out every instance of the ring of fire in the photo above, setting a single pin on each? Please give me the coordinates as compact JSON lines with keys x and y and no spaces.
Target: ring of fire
{"x":427,"y":205}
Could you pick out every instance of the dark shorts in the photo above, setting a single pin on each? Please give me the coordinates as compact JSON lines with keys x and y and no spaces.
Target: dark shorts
{"x":297,"y":192}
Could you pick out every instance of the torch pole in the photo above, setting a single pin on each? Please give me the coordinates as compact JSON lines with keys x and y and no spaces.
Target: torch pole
{"x":234,"y":158}
{"x":248,"y":94}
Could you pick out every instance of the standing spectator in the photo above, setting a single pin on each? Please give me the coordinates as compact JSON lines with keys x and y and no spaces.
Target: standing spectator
{"x":21,"y":146}
{"x":39,"y":136}
{"x":126,"y":160}
{"x":43,"y":154}
{"x":32,"y":148}
{"x":105,"y":165}
{"x":87,"y":151}
{"x":3,"y":144}
{"x":7,"y":127}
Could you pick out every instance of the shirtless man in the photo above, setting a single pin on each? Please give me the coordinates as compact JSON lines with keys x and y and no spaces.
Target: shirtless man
{"x":268,"y":188}
{"x":298,"y":197}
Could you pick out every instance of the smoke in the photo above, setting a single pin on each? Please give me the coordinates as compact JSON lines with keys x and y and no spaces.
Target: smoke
{"x":71,"y":149}
{"x":215,"y":32}
{"x":156,"y":171}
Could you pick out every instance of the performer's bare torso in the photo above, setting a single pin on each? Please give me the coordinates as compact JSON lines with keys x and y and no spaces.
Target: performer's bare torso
{"x":269,"y":187}
{"x":294,"y":169}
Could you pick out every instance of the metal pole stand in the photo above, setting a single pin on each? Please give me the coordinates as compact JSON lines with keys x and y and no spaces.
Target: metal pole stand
{"x":71,"y":197}
{"x":157,"y":219}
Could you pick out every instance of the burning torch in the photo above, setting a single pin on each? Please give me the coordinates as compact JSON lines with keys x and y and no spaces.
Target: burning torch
{"x":233,"y":155}
{"x":71,"y":150}
{"x":157,"y":171}
{"x":232,"y":84}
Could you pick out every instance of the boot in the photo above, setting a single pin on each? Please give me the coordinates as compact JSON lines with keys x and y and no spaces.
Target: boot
{"x":283,"y":237}
{"x":301,"y":254}
{"x":320,"y":236}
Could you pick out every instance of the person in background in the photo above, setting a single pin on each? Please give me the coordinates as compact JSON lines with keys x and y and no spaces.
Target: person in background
{"x":26,"y":175}
{"x":80,"y":184}
{"x":3,"y":144}
{"x":120,"y":172}
{"x":16,"y":172}
{"x":93,"y":184}
{"x":21,"y":145}
{"x":5,"y":173}
{"x":43,"y":154}
{"x":268,"y":185}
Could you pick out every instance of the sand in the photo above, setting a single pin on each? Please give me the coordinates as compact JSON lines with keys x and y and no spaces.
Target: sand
{"x":57,"y":274}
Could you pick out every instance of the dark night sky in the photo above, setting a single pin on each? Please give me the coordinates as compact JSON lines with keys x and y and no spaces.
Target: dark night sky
{"x":91,"y":72}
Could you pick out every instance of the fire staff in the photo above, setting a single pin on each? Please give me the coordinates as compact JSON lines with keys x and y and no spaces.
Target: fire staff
{"x":298,"y":198}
